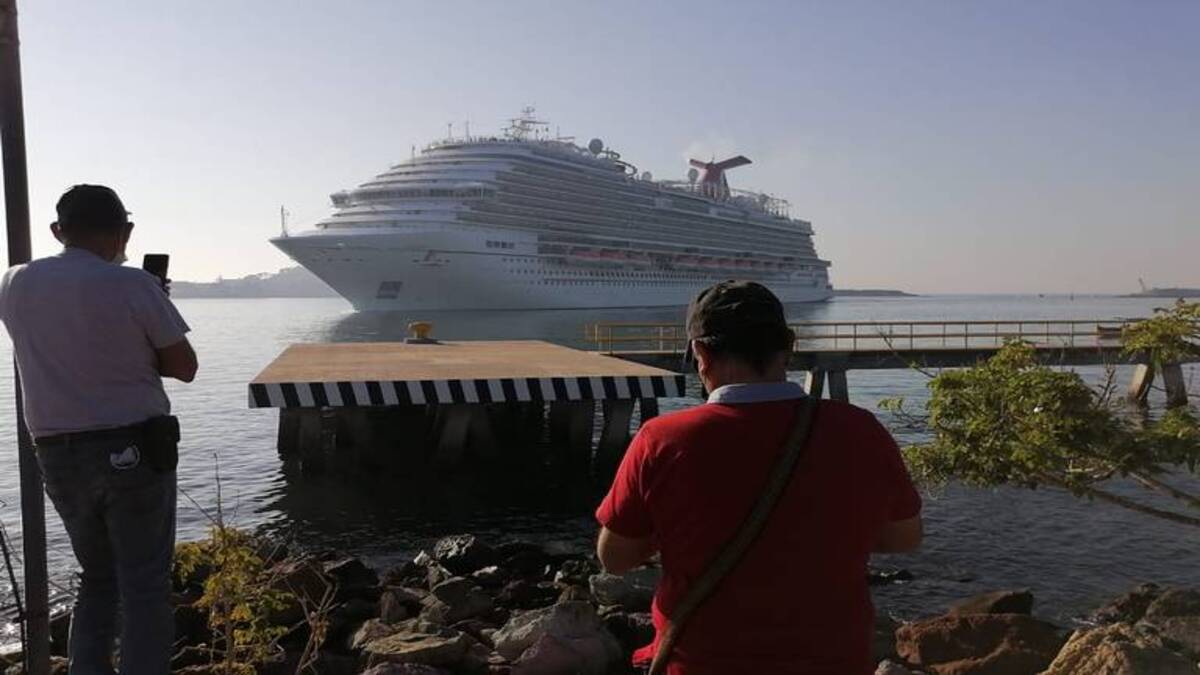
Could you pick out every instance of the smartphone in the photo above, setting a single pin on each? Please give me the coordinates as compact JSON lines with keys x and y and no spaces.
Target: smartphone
{"x":156,"y":264}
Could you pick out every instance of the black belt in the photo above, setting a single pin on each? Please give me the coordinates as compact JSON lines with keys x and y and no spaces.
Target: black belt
{"x":84,"y":436}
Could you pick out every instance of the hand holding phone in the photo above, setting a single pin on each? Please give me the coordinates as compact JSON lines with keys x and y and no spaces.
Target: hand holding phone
{"x":156,"y":264}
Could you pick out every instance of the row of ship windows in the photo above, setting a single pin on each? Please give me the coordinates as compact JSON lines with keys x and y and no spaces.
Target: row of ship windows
{"x":802,"y":268}
{"x":501,"y":244}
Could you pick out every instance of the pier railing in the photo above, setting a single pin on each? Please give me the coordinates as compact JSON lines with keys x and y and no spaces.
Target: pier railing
{"x":841,"y":336}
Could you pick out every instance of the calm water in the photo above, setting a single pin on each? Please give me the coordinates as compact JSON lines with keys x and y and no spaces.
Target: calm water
{"x":1071,"y":553}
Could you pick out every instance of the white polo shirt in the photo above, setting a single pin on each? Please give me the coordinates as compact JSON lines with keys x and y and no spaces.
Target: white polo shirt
{"x":85,"y":333}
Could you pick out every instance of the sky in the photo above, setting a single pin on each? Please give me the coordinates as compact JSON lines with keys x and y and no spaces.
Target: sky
{"x":937,"y":147}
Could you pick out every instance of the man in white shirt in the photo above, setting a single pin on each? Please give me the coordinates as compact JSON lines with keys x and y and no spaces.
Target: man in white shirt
{"x":93,"y":341}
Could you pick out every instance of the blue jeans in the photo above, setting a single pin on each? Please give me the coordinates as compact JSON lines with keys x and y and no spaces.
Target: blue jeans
{"x":120,"y":516}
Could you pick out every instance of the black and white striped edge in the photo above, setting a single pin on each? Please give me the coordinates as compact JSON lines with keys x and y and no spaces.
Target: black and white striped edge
{"x":421,"y":392}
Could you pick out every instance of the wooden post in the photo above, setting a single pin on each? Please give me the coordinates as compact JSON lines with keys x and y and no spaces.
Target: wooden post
{"x":1139,"y":387}
{"x":1172,"y":375}
{"x":648,"y":409}
{"x":814,"y":382}
{"x":571,"y":433}
{"x":839,"y":390}
{"x":614,"y":437}
{"x":16,"y":211}
{"x":288,"y":440}
{"x":454,"y":423}
{"x":317,"y":435}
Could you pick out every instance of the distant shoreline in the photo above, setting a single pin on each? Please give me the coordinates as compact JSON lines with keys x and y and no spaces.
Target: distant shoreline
{"x":871,"y":293}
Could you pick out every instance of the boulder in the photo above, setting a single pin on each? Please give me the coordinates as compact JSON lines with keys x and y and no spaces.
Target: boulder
{"x":371,"y":629}
{"x":1128,"y":608}
{"x":58,"y":666}
{"x":633,"y":631}
{"x":393,"y":607}
{"x":353,"y":578}
{"x":575,"y":628}
{"x":996,"y":602}
{"x":576,"y":572}
{"x":416,"y":641}
{"x":572,"y":593}
{"x":490,"y":577}
{"x":889,"y":667}
{"x":463,"y":554}
{"x":1119,"y":649}
{"x":405,"y":574}
{"x":521,"y":594}
{"x":404,"y":669}
{"x":883,"y":637}
{"x":1176,"y":615}
{"x":454,"y":600}
{"x":551,"y":656}
{"x":979,"y":644}
{"x":521,"y":559}
{"x":632,"y":591}
{"x":300,"y":576}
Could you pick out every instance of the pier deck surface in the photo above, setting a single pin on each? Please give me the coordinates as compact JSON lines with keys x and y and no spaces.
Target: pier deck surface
{"x":397,"y":373}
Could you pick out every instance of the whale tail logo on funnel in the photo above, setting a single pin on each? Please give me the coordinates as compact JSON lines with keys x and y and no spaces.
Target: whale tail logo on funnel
{"x":712,"y":182}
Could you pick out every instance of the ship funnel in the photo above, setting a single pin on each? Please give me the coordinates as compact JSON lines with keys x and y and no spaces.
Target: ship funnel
{"x":712,"y":182}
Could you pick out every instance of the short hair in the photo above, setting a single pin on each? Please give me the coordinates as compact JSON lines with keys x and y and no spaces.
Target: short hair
{"x":756,"y":348}
{"x":91,"y":208}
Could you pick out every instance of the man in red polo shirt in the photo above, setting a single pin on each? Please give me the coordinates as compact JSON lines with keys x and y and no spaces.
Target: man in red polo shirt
{"x":797,"y":602}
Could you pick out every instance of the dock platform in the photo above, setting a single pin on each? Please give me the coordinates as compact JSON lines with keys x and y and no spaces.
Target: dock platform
{"x":409,"y":404}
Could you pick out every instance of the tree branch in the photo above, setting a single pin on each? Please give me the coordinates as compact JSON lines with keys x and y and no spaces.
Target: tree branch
{"x":1158,"y":486}
{"x":1124,"y":502}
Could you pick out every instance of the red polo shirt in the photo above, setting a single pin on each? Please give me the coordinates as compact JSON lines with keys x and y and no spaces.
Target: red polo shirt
{"x":798,"y":601}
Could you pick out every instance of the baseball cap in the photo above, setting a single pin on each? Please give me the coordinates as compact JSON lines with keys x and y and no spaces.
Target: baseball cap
{"x":94,"y":207}
{"x":738,"y":315}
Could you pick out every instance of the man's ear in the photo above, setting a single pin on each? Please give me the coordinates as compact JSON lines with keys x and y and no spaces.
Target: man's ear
{"x":58,"y":233}
{"x":703,"y":355}
{"x":125,"y":232}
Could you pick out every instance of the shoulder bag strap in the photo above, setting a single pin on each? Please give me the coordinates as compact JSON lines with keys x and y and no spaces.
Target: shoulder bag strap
{"x":735,"y":548}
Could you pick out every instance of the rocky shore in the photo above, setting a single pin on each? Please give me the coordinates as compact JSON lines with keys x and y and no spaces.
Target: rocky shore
{"x":471,"y":607}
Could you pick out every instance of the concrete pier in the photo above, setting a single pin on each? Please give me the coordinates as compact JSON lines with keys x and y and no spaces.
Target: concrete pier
{"x":441,"y":405}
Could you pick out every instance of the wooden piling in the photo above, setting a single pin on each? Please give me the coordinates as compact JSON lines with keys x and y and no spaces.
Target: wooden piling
{"x":839,"y":390}
{"x":1139,"y":386}
{"x":814,"y":382}
{"x":614,"y":437}
{"x":1173,"y":382}
{"x":648,"y":409}
{"x":571,"y":424}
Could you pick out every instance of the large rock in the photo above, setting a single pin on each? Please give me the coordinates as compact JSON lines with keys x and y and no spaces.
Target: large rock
{"x":632,"y":591}
{"x":996,"y":602}
{"x":576,"y":572}
{"x":553,"y":656}
{"x":633,"y":631}
{"x":454,"y":600}
{"x":574,"y":625}
{"x":371,"y":629}
{"x":883,"y":637}
{"x":888,"y":667}
{"x":463,"y":554}
{"x":1119,"y":649}
{"x":521,"y":594}
{"x":417,"y":641}
{"x":353,"y":578}
{"x":979,"y":644}
{"x":1176,"y":615}
{"x":523,"y":559}
{"x":1128,"y":608}
{"x":405,"y":669}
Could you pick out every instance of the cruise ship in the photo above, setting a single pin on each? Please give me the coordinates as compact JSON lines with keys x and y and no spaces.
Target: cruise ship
{"x":530,"y":220}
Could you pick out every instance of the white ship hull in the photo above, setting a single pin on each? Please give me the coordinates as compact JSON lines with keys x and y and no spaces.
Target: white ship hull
{"x":530,"y":222}
{"x":446,"y":270}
